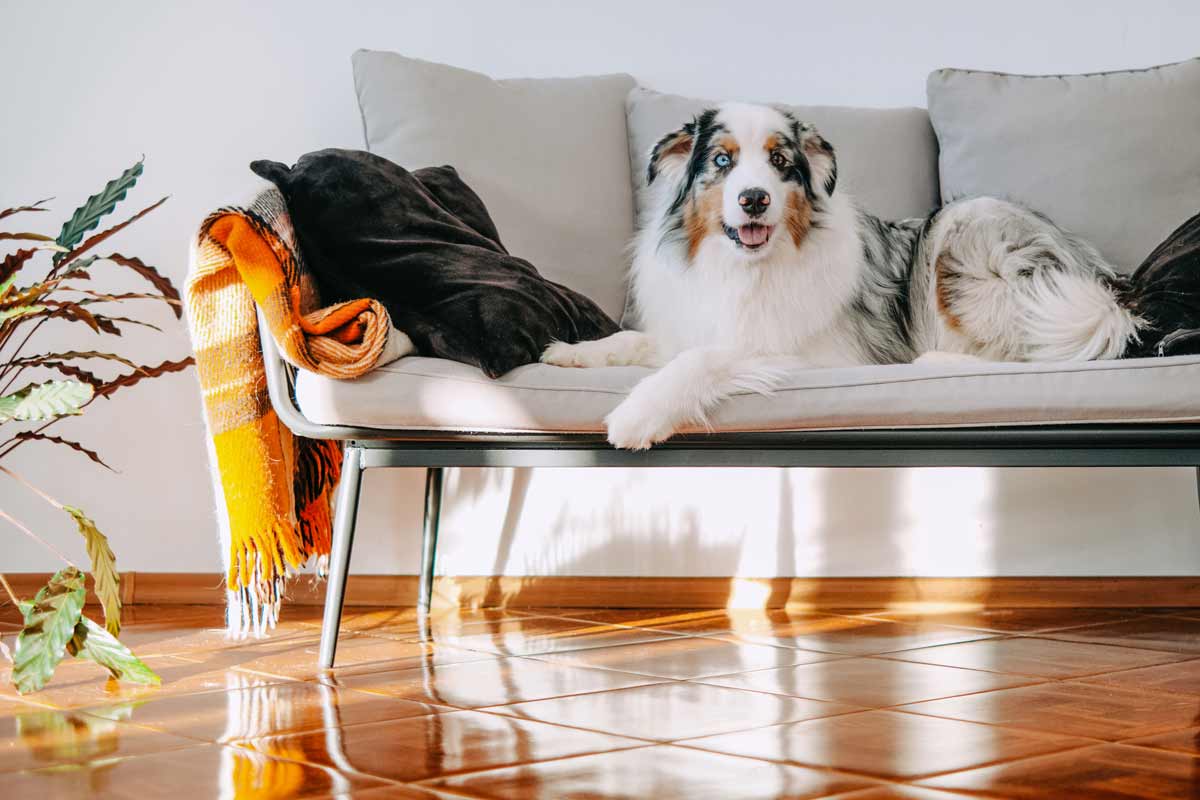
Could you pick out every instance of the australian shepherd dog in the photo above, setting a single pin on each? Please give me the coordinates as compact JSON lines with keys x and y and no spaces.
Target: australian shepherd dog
{"x":749,"y":261}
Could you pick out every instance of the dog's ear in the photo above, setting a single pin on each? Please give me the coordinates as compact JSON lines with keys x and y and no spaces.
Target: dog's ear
{"x":673,"y":149}
{"x":822,"y":161}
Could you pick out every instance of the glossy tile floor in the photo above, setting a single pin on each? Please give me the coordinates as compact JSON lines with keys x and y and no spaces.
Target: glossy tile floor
{"x":585,"y":703}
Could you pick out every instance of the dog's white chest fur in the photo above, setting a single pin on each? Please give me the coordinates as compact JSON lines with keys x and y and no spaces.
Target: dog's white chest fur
{"x":784,"y":304}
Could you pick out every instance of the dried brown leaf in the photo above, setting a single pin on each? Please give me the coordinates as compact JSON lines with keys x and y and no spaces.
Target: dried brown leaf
{"x":8,"y":212}
{"x":74,"y":312}
{"x":108,"y":323}
{"x":43,"y":437}
{"x":13,"y":262}
{"x":157,"y":279}
{"x":36,"y":360}
{"x":129,"y":379}
{"x":74,"y":372}
{"x":26,"y":235}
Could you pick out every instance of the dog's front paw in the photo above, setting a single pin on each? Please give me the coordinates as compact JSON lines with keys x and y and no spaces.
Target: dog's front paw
{"x":562,"y":354}
{"x":634,"y":425}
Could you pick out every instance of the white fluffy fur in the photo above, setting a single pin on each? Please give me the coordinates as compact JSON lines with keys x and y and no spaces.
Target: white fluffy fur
{"x":717,"y":322}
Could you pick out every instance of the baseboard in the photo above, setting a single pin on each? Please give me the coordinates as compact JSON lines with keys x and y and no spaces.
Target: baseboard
{"x":702,"y":592}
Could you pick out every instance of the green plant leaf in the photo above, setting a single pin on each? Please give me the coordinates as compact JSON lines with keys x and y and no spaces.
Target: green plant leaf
{"x":45,"y":401}
{"x":95,"y":643}
{"x":49,"y":624}
{"x":88,"y":215}
{"x":76,"y":268}
{"x":97,"y":238}
{"x":105,"y":579}
{"x":7,"y":314}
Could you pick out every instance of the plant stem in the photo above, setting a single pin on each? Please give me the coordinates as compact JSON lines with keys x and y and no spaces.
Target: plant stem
{"x":36,"y":538}
{"x":16,"y":353}
{"x":9,"y":590}
{"x":32,"y":488}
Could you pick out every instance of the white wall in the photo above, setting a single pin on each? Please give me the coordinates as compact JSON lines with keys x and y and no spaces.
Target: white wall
{"x":203,"y":88}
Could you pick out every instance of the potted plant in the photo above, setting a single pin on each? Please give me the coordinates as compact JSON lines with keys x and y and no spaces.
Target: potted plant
{"x":37,"y":389}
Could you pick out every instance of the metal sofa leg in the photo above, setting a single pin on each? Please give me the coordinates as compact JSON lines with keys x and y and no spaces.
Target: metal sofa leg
{"x":345,"y":511}
{"x":429,"y":536}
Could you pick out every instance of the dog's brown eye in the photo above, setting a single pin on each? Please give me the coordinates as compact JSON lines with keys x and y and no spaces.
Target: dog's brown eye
{"x":778,"y":160}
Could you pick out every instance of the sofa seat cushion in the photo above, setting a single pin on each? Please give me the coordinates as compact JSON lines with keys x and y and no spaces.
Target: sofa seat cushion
{"x":427,"y":393}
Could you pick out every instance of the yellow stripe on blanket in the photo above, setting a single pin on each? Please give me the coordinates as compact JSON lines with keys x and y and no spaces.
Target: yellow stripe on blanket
{"x":277,"y":488}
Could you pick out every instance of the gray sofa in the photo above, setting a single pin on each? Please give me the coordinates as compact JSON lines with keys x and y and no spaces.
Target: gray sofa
{"x":559,"y":163}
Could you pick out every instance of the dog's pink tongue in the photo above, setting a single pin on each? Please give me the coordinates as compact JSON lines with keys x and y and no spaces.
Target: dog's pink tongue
{"x":753,"y":235}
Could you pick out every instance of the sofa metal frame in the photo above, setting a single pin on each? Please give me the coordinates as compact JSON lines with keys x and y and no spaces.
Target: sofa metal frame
{"x":1107,"y":445}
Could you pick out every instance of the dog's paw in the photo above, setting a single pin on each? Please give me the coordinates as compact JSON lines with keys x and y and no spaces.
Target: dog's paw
{"x":595,"y":353}
{"x":635,"y":426}
{"x":562,"y":354}
{"x":622,"y":349}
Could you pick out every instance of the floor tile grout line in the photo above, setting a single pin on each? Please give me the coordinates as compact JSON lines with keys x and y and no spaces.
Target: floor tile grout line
{"x":920,"y":782}
{"x":1010,"y":727}
{"x":429,"y":782}
{"x":1034,"y":682}
{"x":895,"y":778}
{"x":895,"y":657}
{"x":1187,"y":655}
{"x":651,"y":682}
{"x":488,"y":710}
{"x":426,"y":783}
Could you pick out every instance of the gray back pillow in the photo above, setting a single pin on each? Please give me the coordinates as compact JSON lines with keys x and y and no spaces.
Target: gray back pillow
{"x":548,"y":157}
{"x":1114,"y":157}
{"x":887,"y":158}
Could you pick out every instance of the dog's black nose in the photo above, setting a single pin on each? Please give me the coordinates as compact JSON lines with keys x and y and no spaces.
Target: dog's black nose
{"x":754,"y":201}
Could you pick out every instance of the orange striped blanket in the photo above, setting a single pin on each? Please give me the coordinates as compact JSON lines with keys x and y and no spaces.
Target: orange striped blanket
{"x":274,"y":489}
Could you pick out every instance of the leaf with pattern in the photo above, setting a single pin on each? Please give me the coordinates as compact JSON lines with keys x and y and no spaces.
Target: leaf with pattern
{"x":88,"y":215}
{"x":49,"y":624}
{"x":49,"y":400}
{"x":93,"y":642}
{"x":106,"y":581}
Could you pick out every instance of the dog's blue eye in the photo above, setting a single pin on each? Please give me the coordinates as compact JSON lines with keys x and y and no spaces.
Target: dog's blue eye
{"x":722,"y":160}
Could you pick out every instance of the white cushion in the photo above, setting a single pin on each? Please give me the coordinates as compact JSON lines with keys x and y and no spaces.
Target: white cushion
{"x":427,"y":393}
{"x":1113,"y":156}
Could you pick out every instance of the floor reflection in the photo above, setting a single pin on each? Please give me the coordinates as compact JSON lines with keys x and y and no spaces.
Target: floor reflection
{"x":632,"y":703}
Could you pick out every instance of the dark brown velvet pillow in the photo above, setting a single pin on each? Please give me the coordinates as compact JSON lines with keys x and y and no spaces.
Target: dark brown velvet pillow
{"x":424,"y":245}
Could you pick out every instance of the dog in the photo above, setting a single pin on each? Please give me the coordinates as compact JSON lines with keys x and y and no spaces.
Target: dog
{"x":749,"y":255}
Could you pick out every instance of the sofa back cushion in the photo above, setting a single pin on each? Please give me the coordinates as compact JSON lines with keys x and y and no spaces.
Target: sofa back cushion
{"x":1114,"y":157}
{"x":887,"y":158}
{"x":548,"y":157}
